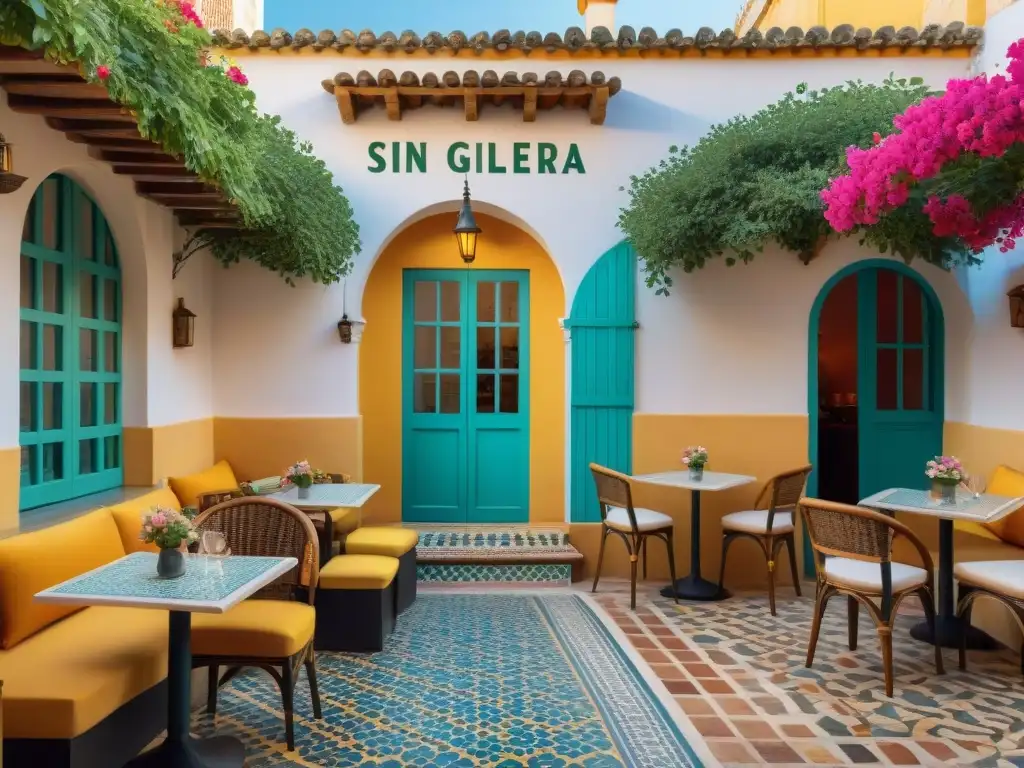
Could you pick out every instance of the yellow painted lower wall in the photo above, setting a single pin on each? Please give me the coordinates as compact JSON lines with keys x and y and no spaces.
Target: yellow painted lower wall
{"x":10,"y":467}
{"x":428,"y":244}
{"x":153,"y":453}
{"x":258,"y":448}
{"x":757,"y":445}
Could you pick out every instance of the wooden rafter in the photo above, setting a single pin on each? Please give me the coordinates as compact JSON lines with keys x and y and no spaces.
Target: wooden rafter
{"x":85,"y":114}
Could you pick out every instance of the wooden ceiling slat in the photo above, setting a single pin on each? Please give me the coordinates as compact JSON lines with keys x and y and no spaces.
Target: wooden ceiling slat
{"x":209,"y":218}
{"x":148,"y":173}
{"x":183,"y":187}
{"x":55,"y":89}
{"x":153,"y":158}
{"x":80,"y":109}
{"x":111,"y":129}
{"x":140,"y":145}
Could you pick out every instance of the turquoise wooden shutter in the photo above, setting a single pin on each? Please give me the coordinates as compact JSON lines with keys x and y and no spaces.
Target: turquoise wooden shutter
{"x":602,"y":324}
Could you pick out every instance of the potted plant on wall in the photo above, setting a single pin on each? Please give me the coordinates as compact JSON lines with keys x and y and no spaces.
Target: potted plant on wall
{"x":694,"y":459}
{"x":172,"y":532}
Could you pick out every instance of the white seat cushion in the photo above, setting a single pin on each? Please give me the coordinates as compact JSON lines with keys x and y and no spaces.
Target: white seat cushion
{"x":867,"y":577}
{"x":646,"y":519}
{"x":756,"y":521}
{"x":1004,"y":577}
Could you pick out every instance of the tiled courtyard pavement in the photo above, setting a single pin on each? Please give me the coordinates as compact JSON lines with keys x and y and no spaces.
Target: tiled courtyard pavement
{"x":738,"y":673}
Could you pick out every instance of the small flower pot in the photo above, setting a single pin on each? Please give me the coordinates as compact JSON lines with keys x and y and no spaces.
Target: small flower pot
{"x":304,"y":491}
{"x":944,"y":491}
{"x":697,"y":474}
{"x":170,"y":564}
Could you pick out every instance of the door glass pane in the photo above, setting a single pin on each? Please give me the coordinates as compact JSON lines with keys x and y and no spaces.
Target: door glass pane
{"x":424,"y":302}
{"x":51,"y":214}
{"x":485,"y":393}
{"x":53,"y":348}
{"x":450,"y":400}
{"x":28,"y":282}
{"x":913,"y":379}
{"x":509,"y":393}
{"x":53,"y":405}
{"x":85,"y":242}
{"x":53,"y":287}
{"x":424,"y":393}
{"x":28,"y":465}
{"x":87,"y":404}
{"x":110,"y":300}
{"x":485,"y":347}
{"x":110,"y":403}
{"x":28,"y":345}
{"x":886,"y":373}
{"x":451,"y":346}
{"x":28,"y":228}
{"x":87,"y":350}
{"x":87,"y":295}
{"x":110,"y":352}
{"x":109,"y":256}
{"x":888,"y":287}
{"x":53,"y":462}
{"x":510,"y":302}
{"x":485,"y":293}
{"x":450,"y":299}
{"x":27,"y":399}
{"x":425,"y":346}
{"x":86,"y":457}
{"x":510,"y":347}
{"x":111,"y":452}
{"x":913,"y":313}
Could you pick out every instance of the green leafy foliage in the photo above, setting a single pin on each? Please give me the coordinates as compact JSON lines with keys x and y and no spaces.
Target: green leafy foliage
{"x":756,"y":180}
{"x":297,"y":222}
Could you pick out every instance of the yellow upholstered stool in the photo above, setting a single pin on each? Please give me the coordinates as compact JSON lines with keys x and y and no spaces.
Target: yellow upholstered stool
{"x":399,"y":543}
{"x":344,"y":520}
{"x":355,"y":603}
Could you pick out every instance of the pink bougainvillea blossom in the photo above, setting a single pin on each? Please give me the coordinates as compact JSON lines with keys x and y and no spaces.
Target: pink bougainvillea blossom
{"x":982,"y":116}
{"x":237,"y":75}
{"x":188,"y":11}
{"x":102,"y":71}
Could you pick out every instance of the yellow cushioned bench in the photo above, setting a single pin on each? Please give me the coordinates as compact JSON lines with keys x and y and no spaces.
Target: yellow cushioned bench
{"x":82,"y":687}
{"x":355,"y":603}
{"x":394,"y":542}
{"x":188,"y":489}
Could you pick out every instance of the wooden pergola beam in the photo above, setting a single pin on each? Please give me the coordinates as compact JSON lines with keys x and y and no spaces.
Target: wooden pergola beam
{"x":76,"y":109}
{"x":599,"y":106}
{"x":55,"y":88}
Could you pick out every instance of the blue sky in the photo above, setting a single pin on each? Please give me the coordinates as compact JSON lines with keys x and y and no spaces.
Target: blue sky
{"x":474,"y":15}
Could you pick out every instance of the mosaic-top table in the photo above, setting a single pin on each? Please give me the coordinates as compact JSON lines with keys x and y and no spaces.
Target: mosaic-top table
{"x":694,"y":586}
{"x":323,"y":497}
{"x":132,"y":582}
{"x":985,"y":508}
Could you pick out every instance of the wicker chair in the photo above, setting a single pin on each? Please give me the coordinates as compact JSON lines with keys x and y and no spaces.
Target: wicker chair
{"x":274,"y":629}
{"x":999,"y":580}
{"x":770,"y":524}
{"x":853,"y":547}
{"x":633,"y":526}
{"x":207,"y":500}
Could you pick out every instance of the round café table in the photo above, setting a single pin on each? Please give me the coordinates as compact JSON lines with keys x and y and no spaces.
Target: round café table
{"x":694,"y":586}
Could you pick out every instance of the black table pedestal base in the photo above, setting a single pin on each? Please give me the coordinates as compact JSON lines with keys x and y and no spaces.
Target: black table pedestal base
{"x":949,"y":629}
{"x":695,"y":588}
{"x":218,"y":752}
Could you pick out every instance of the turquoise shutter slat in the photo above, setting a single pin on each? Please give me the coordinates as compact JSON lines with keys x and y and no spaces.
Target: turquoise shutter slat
{"x":603,"y":326}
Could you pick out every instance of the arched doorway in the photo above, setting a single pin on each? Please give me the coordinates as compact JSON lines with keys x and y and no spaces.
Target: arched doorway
{"x":70,"y":390}
{"x":462,"y":378}
{"x":875,"y":381}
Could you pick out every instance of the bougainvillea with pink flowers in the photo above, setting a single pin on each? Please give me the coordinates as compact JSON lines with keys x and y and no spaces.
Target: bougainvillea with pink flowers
{"x":957,"y":156}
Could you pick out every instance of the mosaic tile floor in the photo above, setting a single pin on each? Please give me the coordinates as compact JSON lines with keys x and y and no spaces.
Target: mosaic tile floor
{"x":739,"y":675}
{"x":469,"y":680}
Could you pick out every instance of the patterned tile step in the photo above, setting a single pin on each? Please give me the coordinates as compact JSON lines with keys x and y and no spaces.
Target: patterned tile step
{"x":495,"y":545}
{"x":530,"y":573}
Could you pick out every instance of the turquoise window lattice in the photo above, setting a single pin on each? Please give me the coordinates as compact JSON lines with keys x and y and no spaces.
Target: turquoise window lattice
{"x":70,"y":348}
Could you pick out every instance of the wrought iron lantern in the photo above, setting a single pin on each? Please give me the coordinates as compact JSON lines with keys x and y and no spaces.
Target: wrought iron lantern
{"x":345,"y":330}
{"x":9,"y":181}
{"x":184,"y":325}
{"x":1016,"y":297}
{"x":466,"y":230}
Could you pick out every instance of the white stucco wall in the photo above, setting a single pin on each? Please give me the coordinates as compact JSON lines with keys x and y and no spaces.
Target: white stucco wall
{"x":159,"y":385}
{"x":574,"y":216}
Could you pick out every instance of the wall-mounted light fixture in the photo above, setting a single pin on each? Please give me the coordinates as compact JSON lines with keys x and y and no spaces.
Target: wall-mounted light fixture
{"x":466,"y":230}
{"x":9,"y":180}
{"x":1016,"y":297}
{"x":183,"y":323}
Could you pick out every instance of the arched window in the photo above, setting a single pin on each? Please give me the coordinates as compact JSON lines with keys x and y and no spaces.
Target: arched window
{"x":70,"y":348}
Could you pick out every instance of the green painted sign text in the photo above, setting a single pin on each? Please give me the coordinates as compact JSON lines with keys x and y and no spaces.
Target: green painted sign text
{"x":481,"y":157}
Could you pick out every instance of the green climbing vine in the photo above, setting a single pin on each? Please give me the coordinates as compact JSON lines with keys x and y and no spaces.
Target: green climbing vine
{"x":151,"y":57}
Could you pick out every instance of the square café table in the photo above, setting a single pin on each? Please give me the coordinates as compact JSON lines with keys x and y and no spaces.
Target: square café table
{"x":694,"y":586}
{"x":985,"y":508}
{"x":131,"y":582}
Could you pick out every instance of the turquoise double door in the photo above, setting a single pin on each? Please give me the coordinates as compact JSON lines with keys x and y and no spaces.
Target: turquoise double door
{"x":465,"y":396}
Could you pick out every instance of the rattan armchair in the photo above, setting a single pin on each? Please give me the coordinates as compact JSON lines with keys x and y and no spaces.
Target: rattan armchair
{"x":273,"y":630}
{"x":853,"y":547}
{"x":770,"y":524}
{"x":633,"y":526}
